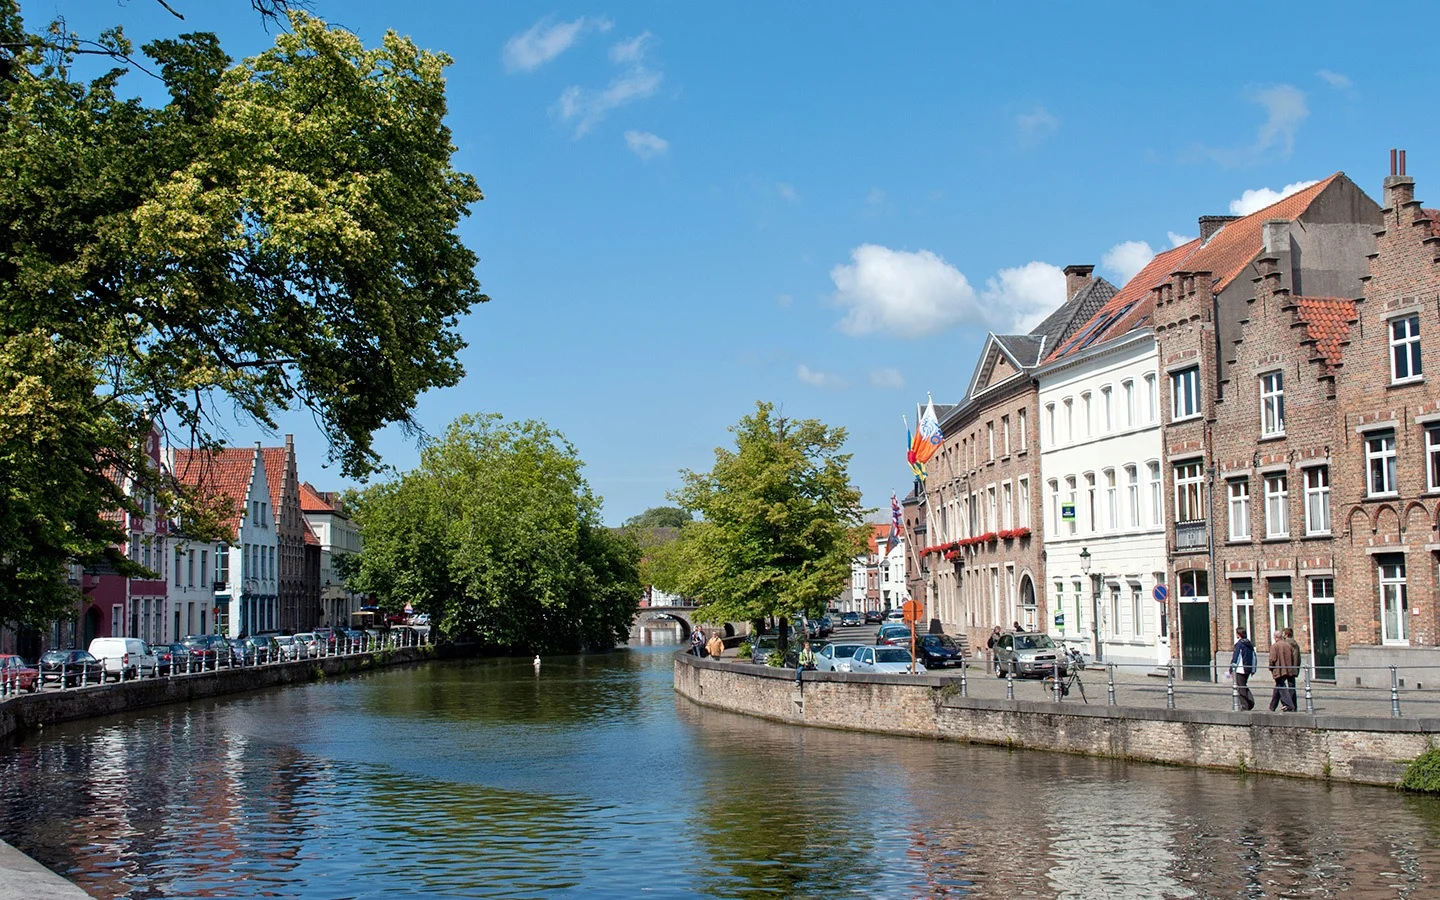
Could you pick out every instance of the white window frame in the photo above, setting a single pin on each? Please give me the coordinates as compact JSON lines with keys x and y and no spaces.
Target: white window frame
{"x":1237,"y":494}
{"x":1190,"y":491}
{"x":1185,"y":394}
{"x":990,"y":438}
{"x":1405,"y":361}
{"x":1107,"y":410}
{"x":1112,"y":500}
{"x":1050,"y":424}
{"x":1054,"y":486}
{"x":1069,"y":404}
{"x":1137,"y":611}
{"x":1317,"y":500}
{"x":1432,"y":457}
{"x":1277,"y":505}
{"x":1132,"y":492}
{"x":1157,"y":493}
{"x":1152,"y":398}
{"x":1007,"y":505}
{"x":1282,"y":604}
{"x":1023,"y":498}
{"x":1127,"y":388}
{"x":1021,"y":421}
{"x":1070,"y":489}
{"x":1243,"y":598}
{"x":1087,"y":413}
{"x":1272,"y":404}
{"x":1005,"y":435}
{"x":1091,"y":501}
{"x":1380,"y":460}
{"x":1394,"y":591}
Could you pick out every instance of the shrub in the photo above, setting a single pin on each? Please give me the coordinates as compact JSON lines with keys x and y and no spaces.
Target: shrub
{"x":1423,"y":773}
{"x":743,"y":651}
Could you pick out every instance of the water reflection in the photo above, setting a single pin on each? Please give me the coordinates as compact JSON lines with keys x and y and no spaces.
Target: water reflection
{"x":482,"y":779}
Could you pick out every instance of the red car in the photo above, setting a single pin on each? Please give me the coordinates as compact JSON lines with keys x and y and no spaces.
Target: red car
{"x":13,"y":668}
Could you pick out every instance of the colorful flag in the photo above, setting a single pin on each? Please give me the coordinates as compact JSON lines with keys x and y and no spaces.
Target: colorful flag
{"x":928,"y":438}
{"x":897,"y":524}
{"x":910,"y":455}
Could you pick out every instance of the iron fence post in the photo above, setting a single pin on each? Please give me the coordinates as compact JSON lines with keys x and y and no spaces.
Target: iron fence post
{"x":1110,"y":684}
{"x":1309,"y":697}
{"x":1234,"y":695}
{"x":1395,"y":691}
{"x":1055,"y":677}
{"x":1010,"y":684}
{"x":964,"y":684}
{"x":1170,"y":686}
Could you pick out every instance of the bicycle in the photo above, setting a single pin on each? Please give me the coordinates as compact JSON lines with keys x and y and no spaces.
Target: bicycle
{"x":1071,"y":679}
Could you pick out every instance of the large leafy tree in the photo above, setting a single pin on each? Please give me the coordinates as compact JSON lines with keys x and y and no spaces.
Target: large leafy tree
{"x":781,"y":523}
{"x":280,"y":233}
{"x":497,"y":535}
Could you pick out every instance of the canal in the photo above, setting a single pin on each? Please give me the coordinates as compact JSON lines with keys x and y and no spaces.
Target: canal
{"x":484,"y":779}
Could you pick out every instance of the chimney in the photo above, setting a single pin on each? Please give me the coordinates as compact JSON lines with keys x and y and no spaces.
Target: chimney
{"x":1076,"y":278}
{"x":290,"y":440}
{"x":1276,"y":236}
{"x":1399,"y":187}
{"x":1209,"y":225}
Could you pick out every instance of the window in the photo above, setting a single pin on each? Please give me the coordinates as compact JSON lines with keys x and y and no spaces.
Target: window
{"x":1024,"y":502}
{"x":1114,"y":609}
{"x":1380,"y":463}
{"x":1272,"y":404}
{"x":1282,"y":605}
{"x":1069,"y":420}
{"x":992,"y":520}
{"x":1050,"y":423}
{"x":189,"y":568}
{"x":1112,"y":501}
{"x":222,"y":564}
{"x":1005,"y":435}
{"x":1277,"y":501}
{"x":1157,"y":493}
{"x":1394,"y":601}
{"x":1086,"y":413}
{"x":1137,"y":610}
{"x":1185,"y":393}
{"x":1107,"y":411}
{"x":1432,"y":458}
{"x":1022,"y":423}
{"x":1317,"y":500}
{"x":1243,"y":597}
{"x":1007,"y":496}
{"x":990,"y":439}
{"x":204,"y":567}
{"x":1127,"y":389}
{"x":1132,"y":491}
{"x":1090,"y":501}
{"x":1152,"y":400}
{"x":1405,"y":348}
{"x":1054,"y":487}
{"x":1239,"y":493}
{"x":178,"y":551}
{"x":1189,"y":495}
{"x":1070,"y":498}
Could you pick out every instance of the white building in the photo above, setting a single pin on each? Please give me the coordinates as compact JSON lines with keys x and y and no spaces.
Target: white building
{"x":192,"y":587}
{"x":893,"y":591}
{"x":1104,"y":497}
{"x":338,"y":536}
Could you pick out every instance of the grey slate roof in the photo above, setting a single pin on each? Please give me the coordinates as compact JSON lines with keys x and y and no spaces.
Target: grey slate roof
{"x":1073,"y":313}
{"x":1024,"y":347}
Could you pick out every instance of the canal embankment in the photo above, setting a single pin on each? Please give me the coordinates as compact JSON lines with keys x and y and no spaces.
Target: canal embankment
{"x":24,"y":712}
{"x":1364,"y":749}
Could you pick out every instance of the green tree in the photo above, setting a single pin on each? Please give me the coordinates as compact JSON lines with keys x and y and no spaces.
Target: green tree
{"x":497,"y":535}
{"x":781,"y":523}
{"x":280,"y":233}
{"x":660,"y":517}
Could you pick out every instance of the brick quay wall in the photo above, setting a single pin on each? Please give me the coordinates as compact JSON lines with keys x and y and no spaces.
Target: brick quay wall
{"x":1359,"y":749}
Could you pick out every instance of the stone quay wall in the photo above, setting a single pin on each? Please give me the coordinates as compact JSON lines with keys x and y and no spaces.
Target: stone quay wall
{"x":1360,"y":749}
{"x":24,"y":712}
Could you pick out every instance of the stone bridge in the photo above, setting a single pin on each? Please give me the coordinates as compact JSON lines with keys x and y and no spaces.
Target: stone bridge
{"x":684,"y":616}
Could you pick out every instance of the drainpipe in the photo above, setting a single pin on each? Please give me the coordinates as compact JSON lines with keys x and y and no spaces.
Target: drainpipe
{"x":1210,"y":487}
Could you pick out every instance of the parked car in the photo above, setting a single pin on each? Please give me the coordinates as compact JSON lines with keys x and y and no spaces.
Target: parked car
{"x":893,"y":634}
{"x":209,"y":651}
{"x":267,"y":646}
{"x":884,"y":660}
{"x":327,"y":638}
{"x":125,"y":657}
{"x":827,"y":626}
{"x":308,"y":646}
{"x":835,"y":657}
{"x":761,"y":646}
{"x":874,"y":617}
{"x":939,"y":650}
{"x":894,"y":615}
{"x":15,"y":670}
{"x":1028,"y":654}
{"x":68,"y":668}
{"x":850,"y":620}
{"x":286,"y":648}
{"x":174,"y":658}
{"x":353,"y":639}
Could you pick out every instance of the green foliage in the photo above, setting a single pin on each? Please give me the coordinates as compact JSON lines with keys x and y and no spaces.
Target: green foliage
{"x":497,"y":536}
{"x":660,"y":517}
{"x":780,"y":524}
{"x":280,"y":232}
{"x":1423,"y":773}
{"x":744,"y":651}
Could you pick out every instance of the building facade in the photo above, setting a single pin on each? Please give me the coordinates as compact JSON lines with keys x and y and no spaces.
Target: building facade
{"x":294,"y":610}
{"x":337,"y":535}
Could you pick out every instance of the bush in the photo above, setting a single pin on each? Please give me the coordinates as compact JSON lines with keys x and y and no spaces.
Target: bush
{"x":743,"y":651}
{"x":1423,"y":773}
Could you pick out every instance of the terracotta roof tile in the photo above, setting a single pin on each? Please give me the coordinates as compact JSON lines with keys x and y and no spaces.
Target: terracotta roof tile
{"x":311,"y":501}
{"x":274,"y":476}
{"x":310,"y":539}
{"x":878,"y":535}
{"x":1327,"y":322}
{"x":1131,"y":306}
{"x":223,"y":473}
{"x":1232,"y":248}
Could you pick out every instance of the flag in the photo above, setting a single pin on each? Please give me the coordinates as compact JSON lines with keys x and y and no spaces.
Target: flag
{"x":897,"y":525}
{"x":928,"y":437}
{"x":910,"y":455}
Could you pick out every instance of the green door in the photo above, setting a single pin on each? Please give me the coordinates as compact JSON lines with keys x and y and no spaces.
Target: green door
{"x":1322,"y":635}
{"x":1195,"y":641}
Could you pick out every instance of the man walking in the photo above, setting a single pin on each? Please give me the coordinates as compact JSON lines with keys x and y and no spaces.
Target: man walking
{"x":1284,"y":666}
{"x":1242,"y":666}
{"x":994,"y":639}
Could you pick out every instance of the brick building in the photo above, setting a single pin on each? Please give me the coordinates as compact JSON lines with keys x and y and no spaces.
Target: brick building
{"x":296,"y":610}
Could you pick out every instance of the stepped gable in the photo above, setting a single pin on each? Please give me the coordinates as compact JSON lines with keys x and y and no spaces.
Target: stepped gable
{"x":1434,"y":216}
{"x":275,"y":476}
{"x":225,"y":472}
{"x":1327,"y":323}
{"x":1128,"y":308}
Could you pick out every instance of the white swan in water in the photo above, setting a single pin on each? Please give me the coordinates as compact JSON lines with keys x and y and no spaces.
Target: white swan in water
{"x":537,"y":662}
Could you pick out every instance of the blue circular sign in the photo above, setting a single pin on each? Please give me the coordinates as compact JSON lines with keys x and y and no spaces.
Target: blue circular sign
{"x":1161,"y":593}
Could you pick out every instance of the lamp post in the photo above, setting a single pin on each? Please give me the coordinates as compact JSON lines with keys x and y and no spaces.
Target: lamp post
{"x":1094,"y":602}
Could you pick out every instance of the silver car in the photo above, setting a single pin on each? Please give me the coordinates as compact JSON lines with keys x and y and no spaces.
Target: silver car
{"x":884,"y":660}
{"x":836,"y":657}
{"x":1028,"y":654}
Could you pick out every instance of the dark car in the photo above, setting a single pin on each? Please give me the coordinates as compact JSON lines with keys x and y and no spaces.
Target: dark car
{"x":69,"y":668}
{"x":208,"y":651}
{"x":267,"y":649}
{"x":827,"y":626}
{"x":353,"y":640}
{"x":850,"y":620}
{"x":898,"y":635}
{"x":874,"y":617}
{"x":173,"y":659}
{"x":325,"y":639}
{"x":18,"y":675}
{"x":937,"y":651}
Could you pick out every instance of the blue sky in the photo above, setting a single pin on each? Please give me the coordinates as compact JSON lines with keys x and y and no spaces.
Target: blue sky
{"x":827,"y":206}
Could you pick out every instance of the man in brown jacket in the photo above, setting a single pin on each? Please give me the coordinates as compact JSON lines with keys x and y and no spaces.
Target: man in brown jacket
{"x":1284,"y":667}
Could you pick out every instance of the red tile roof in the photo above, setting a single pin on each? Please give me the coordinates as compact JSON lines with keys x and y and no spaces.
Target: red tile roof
{"x":274,"y":476}
{"x":1327,"y":322}
{"x":1231,"y":249}
{"x":1136,"y":295}
{"x":310,"y":539}
{"x":223,"y":473}
{"x":879,"y":534}
{"x":311,"y":501}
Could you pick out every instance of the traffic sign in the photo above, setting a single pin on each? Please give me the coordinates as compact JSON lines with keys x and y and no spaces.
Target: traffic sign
{"x":409,"y":608}
{"x":1161,"y":593}
{"x":913,"y":611}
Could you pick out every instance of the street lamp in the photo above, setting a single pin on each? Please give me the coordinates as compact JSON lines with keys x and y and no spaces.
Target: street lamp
{"x":1094,"y":603}
{"x":1085,"y":560}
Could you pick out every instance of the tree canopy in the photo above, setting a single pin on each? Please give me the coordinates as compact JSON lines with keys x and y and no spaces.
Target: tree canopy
{"x":780,"y":523}
{"x":280,"y":233}
{"x":497,"y":535}
{"x":660,"y":517}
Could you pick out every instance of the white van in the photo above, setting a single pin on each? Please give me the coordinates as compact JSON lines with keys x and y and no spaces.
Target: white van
{"x":125,"y":656}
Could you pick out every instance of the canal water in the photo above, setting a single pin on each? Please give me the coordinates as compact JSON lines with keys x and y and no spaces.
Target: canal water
{"x":484,"y":779}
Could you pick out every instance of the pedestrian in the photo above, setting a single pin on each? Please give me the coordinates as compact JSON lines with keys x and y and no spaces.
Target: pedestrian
{"x":1242,"y":666}
{"x":1284,"y":666}
{"x":807,"y":657}
{"x":716,"y":645}
{"x":994,"y":639}
{"x":697,"y":642}
{"x":1016,"y":627}
{"x":1290,"y":639}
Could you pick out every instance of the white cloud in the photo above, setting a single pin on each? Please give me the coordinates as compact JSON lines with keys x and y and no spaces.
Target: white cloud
{"x":787,"y":191}
{"x":545,"y":40}
{"x":1336,"y":80}
{"x":1285,"y":109}
{"x":819,"y":379}
{"x":1178,"y":239}
{"x":586,"y":107}
{"x":888,"y":378}
{"x":913,"y":294}
{"x":1126,"y":259}
{"x":1036,"y":125}
{"x":631,"y":51}
{"x":645,"y":144}
{"x":1257,"y":199}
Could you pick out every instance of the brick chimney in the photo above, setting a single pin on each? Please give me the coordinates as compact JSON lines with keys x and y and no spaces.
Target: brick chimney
{"x":1211,"y":224}
{"x":1076,"y":278}
{"x":1399,"y":187}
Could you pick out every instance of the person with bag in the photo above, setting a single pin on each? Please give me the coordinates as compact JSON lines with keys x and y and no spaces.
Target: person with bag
{"x":1284,"y":666}
{"x":1242,"y":666}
